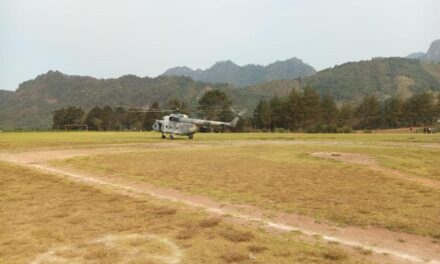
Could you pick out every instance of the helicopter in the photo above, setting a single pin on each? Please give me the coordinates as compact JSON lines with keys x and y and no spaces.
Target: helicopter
{"x":180,"y":124}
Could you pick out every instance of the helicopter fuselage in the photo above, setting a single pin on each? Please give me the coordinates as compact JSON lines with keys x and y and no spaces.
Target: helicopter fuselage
{"x":173,"y":125}
{"x":180,"y":124}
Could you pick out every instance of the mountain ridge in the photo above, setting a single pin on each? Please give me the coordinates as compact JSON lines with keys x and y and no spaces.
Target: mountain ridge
{"x":431,"y":55}
{"x":227,"y":71}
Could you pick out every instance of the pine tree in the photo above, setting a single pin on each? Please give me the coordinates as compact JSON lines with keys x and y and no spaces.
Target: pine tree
{"x":329,"y":110}
{"x":346,"y":117}
{"x":311,"y":107}
{"x":369,"y":113}
{"x":393,"y":112}
{"x":294,"y":110}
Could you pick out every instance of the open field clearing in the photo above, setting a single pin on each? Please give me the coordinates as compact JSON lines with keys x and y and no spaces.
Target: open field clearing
{"x":280,"y":178}
{"x":357,"y":189}
{"x":27,"y":140}
{"x":46,"y":219}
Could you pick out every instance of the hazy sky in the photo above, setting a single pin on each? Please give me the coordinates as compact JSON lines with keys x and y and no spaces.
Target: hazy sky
{"x":106,"y":38}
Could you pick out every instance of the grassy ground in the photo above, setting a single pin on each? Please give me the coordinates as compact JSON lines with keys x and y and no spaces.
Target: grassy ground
{"x":41,"y":212}
{"x":286,"y":178}
{"x":26,"y":140}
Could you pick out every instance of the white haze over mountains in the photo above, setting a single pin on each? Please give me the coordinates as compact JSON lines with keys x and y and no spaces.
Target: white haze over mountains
{"x":110,"y":38}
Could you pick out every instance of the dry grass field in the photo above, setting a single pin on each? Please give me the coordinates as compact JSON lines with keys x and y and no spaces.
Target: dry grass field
{"x":280,"y":177}
{"x":46,"y":219}
{"x":386,"y":197}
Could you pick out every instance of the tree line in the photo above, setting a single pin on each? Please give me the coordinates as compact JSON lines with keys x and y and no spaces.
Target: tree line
{"x":305,"y":111}
{"x":308,"y":111}
{"x":214,"y":105}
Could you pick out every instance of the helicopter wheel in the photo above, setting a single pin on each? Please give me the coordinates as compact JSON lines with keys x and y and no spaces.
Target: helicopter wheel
{"x":171,"y":137}
{"x":190,"y":136}
{"x":163,"y":136}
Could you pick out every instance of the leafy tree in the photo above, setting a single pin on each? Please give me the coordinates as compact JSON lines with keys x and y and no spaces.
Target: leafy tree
{"x":94,"y":118}
{"x":216,"y":105}
{"x":419,"y":109}
{"x":67,"y":116}
{"x":107,"y":117}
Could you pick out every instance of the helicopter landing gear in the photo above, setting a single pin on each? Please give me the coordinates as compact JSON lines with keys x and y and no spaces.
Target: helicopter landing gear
{"x":163,"y":136}
{"x":190,"y":136}
{"x":171,"y":137}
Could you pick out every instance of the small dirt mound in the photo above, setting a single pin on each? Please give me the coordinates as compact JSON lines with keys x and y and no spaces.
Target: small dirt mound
{"x":346,"y":157}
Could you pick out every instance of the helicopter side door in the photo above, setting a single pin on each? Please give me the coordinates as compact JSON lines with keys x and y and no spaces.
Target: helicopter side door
{"x":173,"y":125}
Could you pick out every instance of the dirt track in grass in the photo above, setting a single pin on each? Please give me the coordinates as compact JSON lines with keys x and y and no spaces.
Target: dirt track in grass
{"x":415,"y":249}
{"x":373,"y":165}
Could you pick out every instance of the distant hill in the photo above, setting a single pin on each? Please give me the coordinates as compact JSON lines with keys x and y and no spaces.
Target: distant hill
{"x":383,"y":77}
{"x":32,"y":104}
{"x":432,"y":55}
{"x":380,"y":76}
{"x":416,"y":55}
{"x":229,"y":72}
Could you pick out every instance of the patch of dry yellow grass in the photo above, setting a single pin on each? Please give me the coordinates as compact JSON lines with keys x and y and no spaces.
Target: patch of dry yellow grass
{"x":282,"y":178}
{"x":41,"y":212}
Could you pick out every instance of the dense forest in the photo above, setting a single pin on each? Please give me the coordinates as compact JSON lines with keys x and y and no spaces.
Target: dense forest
{"x":305,"y":111}
{"x":213,"y":105}
{"x":308,"y":111}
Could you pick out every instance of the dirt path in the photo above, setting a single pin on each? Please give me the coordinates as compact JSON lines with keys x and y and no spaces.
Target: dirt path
{"x":416,"y":249}
{"x":373,"y":165}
